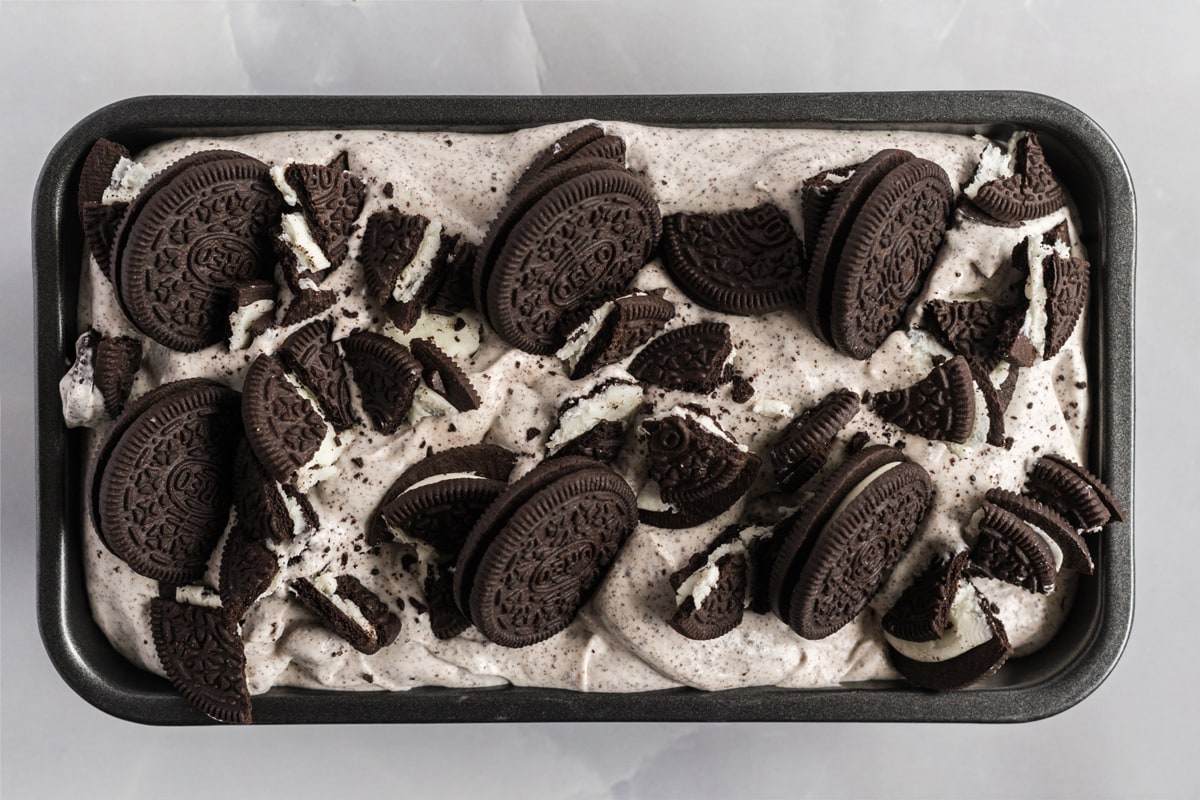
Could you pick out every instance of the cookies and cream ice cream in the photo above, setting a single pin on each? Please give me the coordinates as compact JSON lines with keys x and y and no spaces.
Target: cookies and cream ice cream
{"x":620,"y":640}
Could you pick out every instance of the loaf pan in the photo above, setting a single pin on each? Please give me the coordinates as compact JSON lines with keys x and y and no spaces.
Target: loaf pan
{"x":1055,"y":678}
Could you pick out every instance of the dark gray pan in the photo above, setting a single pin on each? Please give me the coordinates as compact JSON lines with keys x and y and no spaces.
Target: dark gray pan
{"x":1054,"y":679}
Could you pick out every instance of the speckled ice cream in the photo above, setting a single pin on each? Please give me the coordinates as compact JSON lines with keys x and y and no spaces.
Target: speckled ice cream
{"x":620,"y":641}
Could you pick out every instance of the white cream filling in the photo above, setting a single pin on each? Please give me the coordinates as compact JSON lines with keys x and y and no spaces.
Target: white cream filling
{"x":322,"y":465}
{"x":128,"y":178}
{"x":776,"y":409}
{"x":414,"y":273}
{"x":197,"y":596}
{"x":979,"y":428}
{"x":966,"y":629}
{"x":650,"y":498}
{"x":243,"y":317}
{"x":428,"y":403}
{"x":461,"y":343}
{"x":616,"y":402}
{"x":994,"y":164}
{"x":285,"y":189}
{"x":705,"y":422}
{"x":297,"y":235}
{"x":81,"y":401}
{"x":326,"y":584}
{"x":970,"y":533}
{"x":1034,"y":325}
{"x":1055,"y":550}
{"x":699,"y":584}
{"x":857,"y":490}
{"x":581,"y":337}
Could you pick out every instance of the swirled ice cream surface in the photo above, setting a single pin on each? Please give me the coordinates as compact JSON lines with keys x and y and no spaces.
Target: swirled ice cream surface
{"x":620,"y":641}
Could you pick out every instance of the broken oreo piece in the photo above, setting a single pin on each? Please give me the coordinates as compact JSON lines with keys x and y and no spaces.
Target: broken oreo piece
{"x":839,"y":548}
{"x":251,"y":311}
{"x":387,"y":376}
{"x":1074,"y":492}
{"x":816,"y":199}
{"x":445,"y":620}
{"x":248,"y":570}
{"x":1015,"y":186}
{"x":455,"y":263}
{"x":399,"y":257}
{"x":96,"y":174}
{"x":118,"y":359}
{"x":710,"y":590}
{"x":306,"y":304}
{"x":922,"y":611}
{"x":694,"y":358}
{"x":438,"y":513}
{"x":969,"y":328}
{"x":350,"y":610}
{"x":1006,"y":548}
{"x":610,"y":403}
{"x":941,"y":406}
{"x":201,"y":651}
{"x":443,"y":375}
{"x":311,"y":355}
{"x":1072,"y":550}
{"x":744,"y":262}
{"x":803,"y":446}
{"x":100,"y":222}
{"x":614,"y":330}
{"x":330,"y":200}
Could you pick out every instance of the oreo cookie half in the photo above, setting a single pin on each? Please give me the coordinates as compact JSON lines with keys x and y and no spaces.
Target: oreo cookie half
{"x":442,"y":374}
{"x":695,"y":358}
{"x":711,"y":589}
{"x":1072,"y":551}
{"x":743,"y":262}
{"x":1015,"y":186}
{"x":940,"y":406}
{"x":1074,"y":492}
{"x":437,"y":513}
{"x":161,"y":490}
{"x":248,"y":571}
{"x":875,"y":247}
{"x":311,"y":355}
{"x":1006,"y":548}
{"x":350,"y":610}
{"x":839,"y":548}
{"x":922,"y":611}
{"x":387,"y":376}
{"x":696,"y":471}
{"x":540,"y":549}
{"x":202,"y":653}
{"x":614,"y":330}
{"x":803,"y":446}
{"x":329,"y":200}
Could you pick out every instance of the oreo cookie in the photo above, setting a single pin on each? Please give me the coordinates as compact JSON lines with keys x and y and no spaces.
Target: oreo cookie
{"x":305,"y":304}
{"x":593,"y":423}
{"x":540,"y":549}
{"x":710,"y":590}
{"x":588,"y":141}
{"x":387,"y":376}
{"x":202,"y":653}
{"x":696,"y":471}
{"x":572,"y":240}
{"x":1067,"y":281}
{"x":875,"y":247}
{"x":438,"y":512}
{"x":995,"y":398}
{"x":803,"y":447}
{"x":941,"y":406}
{"x":311,"y":355}
{"x":455,"y":265}
{"x":263,"y":507}
{"x":969,"y":328}
{"x":248,"y":570}
{"x":695,"y":358}
{"x":350,"y":610}
{"x":1004,"y":547}
{"x":285,"y":426}
{"x":117,"y":361}
{"x":839,"y":548}
{"x":942,"y":633}
{"x":817,"y":194}
{"x":1073,"y":492}
{"x":614,"y":330}
{"x":1016,"y":187}
{"x":330,"y":199}
{"x":1072,"y":549}
{"x":743,"y":262}
{"x":251,"y":311}
{"x":100,"y":222}
{"x":443,"y":375}
{"x":161,"y":488}
{"x":219,"y":210}
{"x":445,"y":620}
{"x":96,"y":174}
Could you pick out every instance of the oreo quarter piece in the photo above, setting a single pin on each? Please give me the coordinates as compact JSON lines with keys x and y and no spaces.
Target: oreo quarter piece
{"x":922,"y":611}
{"x":1074,"y":492}
{"x":331,"y":199}
{"x":969,"y":328}
{"x":743,"y":262}
{"x":940,"y":406}
{"x":248,"y":569}
{"x":842,"y":546}
{"x":162,"y":491}
{"x":285,"y":429}
{"x":192,"y":239}
{"x":202,"y":653}
{"x":1066,"y":281}
{"x":614,"y":330}
{"x":350,"y":610}
{"x":578,"y":246}
{"x":442,"y":374}
{"x":803,"y":446}
{"x":311,"y":355}
{"x":1008,"y":549}
{"x":118,"y":359}
{"x":390,"y":243}
{"x":439,"y":513}
{"x":387,"y":376}
{"x":545,"y":560}
{"x":710,"y":590}
{"x":693,"y":358}
{"x":1031,"y":191}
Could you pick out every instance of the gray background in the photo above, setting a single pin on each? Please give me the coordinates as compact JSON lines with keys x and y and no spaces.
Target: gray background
{"x":1135,"y":67}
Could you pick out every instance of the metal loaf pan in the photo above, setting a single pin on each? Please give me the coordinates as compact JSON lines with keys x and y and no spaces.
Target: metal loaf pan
{"x":1055,"y":678}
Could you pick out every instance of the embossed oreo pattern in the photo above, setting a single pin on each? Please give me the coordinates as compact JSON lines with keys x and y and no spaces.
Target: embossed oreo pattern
{"x":803,"y":447}
{"x":1067,"y":281}
{"x":923,"y":609}
{"x":166,"y":488}
{"x":203,"y":656}
{"x":580,"y":245}
{"x":968,"y":327}
{"x":688,"y":462}
{"x":723,"y":608}
{"x":284,"y":429}
{"x":332,"y":199}
{"x":441,"y":514}
{"x":691,"y":358}
{"x":315,"y":360}
{"x":387,"y":376}
{"x":741,"y":262}
{"x":939,"y":406}
{"x":247,"y":568}
{"x":195,"y":237}
{"x":1031,"y":192}
{"x":545,"y":562}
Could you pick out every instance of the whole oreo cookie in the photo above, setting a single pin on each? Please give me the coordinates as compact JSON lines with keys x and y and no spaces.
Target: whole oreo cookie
{"x":201,"y":651}
{"x":840,"y":548}
{"x":940,"y":406}
{"x":803,"y":447}
{"x":387,"y":376}
{"x":693,"y":358}
{"x":580,"y":244}
{"x":742,"y":262}
{"x":538,"y":552}
{"x":875,"y":247}
{"x":218,"y":211}
{"x":161,"y":490}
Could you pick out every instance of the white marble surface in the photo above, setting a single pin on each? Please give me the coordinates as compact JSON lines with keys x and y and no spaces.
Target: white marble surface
{"x":1134,"y":67}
